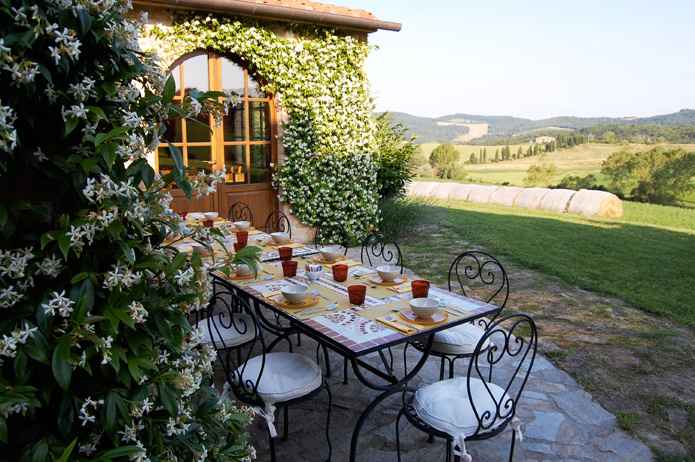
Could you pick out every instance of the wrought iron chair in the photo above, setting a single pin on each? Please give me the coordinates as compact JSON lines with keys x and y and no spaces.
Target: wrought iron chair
{"x":276,"y":222}
{"x":323,"y":237}
{"x":258,"y":377}
{"x":240,"y":211}
{"x":482,"y":404}
{"x":376,"y":249}
{"x":479,"y":275}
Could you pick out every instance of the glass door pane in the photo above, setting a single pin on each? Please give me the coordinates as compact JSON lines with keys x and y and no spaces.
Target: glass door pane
{"x":234,"y":124}
{"x":259,"y":120}
{"x":232,"y":77}
{"x":198,"y":131}
{"x":199,"y":158}
{"x":260,"y":163}
{"x":195,"y":73}
{"x":235,"y":164}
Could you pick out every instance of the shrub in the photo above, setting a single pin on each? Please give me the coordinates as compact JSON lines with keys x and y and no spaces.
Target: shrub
{"x":399,"y":216}
{"x":444,"y":159}
{"x":579,"y":182}
{"x":394,"y":152}
{"x":540,"y":174}
{"x":97,"y":358}
{"x":659,"y":175}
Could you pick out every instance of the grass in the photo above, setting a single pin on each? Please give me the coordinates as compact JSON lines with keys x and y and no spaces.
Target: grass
{"x":580,"y":160}
{"x":627,"y":420}
{"x":646,"y":259}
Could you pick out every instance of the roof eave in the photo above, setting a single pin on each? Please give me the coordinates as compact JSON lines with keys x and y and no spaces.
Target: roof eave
{"x":278,"y":13}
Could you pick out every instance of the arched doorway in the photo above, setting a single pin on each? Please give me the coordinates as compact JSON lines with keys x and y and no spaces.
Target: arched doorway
{"x":244,"y":144}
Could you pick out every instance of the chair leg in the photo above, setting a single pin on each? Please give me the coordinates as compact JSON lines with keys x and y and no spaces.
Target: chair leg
{"x":299,"y":339}
{"x":271,"y":444}
{"x":511,"y":451}
{"x":441,"y":369}
{"x":451,"y":368}
{"x":345,"y":371}
{"x":328,"y":362}
{"x":448,"y":450}
{"x":286,"y":417}
{"x":328,"y":421}
{"x":430,"y":438}
{"x":398,"y":435}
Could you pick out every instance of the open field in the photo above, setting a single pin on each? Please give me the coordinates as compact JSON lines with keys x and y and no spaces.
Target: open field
{"x":613,"y":299}
{"x":579,"y":160}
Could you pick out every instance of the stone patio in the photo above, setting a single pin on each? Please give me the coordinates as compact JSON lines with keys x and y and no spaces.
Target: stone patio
{"x":560,"y":422}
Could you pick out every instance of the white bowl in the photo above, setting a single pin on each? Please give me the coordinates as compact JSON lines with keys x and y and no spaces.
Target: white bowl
{"x":211,"y":215}
{"x":295,"y":294}
{"x":261,"y":240}
{"x":388,"y":273}
{"x":242,"y":225}
{"x":424,"y":307}
{"x":330,"y":253}
{"x":196,"y":216}
{"x":243,"y":270}
{"x":280,"y":238}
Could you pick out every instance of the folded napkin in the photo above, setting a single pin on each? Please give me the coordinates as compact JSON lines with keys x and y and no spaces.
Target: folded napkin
{"x":393,"y":323}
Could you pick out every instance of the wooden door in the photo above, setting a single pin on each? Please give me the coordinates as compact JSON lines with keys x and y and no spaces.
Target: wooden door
{"x":243,"y":144}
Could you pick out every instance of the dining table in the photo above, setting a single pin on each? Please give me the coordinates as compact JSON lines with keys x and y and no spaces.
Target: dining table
{"x":382,"y":322}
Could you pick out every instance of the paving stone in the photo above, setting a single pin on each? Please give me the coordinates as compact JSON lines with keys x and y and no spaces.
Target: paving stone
{"x":579,"y":405}
{"x":544,"y":426}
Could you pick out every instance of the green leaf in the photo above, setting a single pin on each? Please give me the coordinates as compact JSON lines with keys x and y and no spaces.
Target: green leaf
{"x":97,"y":113}
{"x":3,"y":430}
{"x":40,"y":451}
{"x":65,"y":457}
{"x":79,"y":277}
{"x":85,"y":20}
{"x":147,"y":173}
{"x":37,"y":347}
{"x":168,"y":397}
{"x":123,"y":451}
{"x":3,"y":215}
{"x":86,"y":301}
{"x":128,"y":252}
{"x":22,"y":372}
{"x":71,"y":125}
{"x":62,"y":369}
{"x":169,"y":89}
{"x":64,"y":244}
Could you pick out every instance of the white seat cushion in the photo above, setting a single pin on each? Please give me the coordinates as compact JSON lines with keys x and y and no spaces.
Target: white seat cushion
{"x":446,"y":406}
{"x":286,"y":376}
{"x":459,"y":340}
{"x":238,"y":332}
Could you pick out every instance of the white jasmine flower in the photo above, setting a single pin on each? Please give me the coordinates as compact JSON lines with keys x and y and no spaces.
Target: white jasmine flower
{"x":50,"y":266}
{"x":40,"y":156}
{"x":58,"y":302}
{"x":137,"y":312}
{"x":9,"y":297}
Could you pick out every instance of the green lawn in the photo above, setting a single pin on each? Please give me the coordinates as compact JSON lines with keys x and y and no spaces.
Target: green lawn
{"x":647,"y":258}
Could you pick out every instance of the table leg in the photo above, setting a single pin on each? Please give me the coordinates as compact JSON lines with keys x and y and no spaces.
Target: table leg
{"x":386,"y":391}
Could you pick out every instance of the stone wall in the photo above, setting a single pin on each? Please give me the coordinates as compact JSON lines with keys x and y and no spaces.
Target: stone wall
{"x":585,"y":202}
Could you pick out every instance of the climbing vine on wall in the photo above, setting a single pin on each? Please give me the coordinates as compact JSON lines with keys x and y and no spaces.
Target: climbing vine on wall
{"x":328,"y":176}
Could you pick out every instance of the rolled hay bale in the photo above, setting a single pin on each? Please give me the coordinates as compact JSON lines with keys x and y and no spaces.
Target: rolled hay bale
{"x":421,"y":188}
{"x":592,"y":203}
{"x":442,"y":191}
{"x":505,"y":195}
{"x":530,"y":198}
{"x":460,"y":192}
{"x":557,"y":200}
{"x":480,"y":194}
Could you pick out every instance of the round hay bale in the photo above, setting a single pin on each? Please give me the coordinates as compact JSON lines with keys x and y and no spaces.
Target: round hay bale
{"x":557,"y":200}
{"x":460,"y":192}
{"x":442,"y":191}
{"x":505,"y":195}
{"x":480,"y":194}
{"x":592,"y":203}
{"x":421,"y":188}
{"x":530,"y":198}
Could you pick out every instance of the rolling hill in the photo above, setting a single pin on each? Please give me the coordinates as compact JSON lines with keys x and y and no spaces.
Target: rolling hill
{"x":456,"y":128}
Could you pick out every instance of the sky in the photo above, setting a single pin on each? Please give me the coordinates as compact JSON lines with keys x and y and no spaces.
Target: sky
{"x":533,"y":59}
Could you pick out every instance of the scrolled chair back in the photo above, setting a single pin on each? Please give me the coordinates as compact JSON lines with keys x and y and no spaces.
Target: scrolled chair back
{"x":494,"y":391}
{"x":377,"y":250}
{"x":240,"y":211}
{"x":323,"y":236}
{"x":237,"y":337}
{"x":278,"y":222}
{"x":479,"y":275}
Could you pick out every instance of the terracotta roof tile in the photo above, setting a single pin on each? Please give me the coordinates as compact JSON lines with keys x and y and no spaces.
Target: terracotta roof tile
{"x":316,"y":6}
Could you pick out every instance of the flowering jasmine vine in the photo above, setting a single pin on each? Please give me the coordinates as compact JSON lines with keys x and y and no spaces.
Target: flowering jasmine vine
{"x":328,"y":177}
